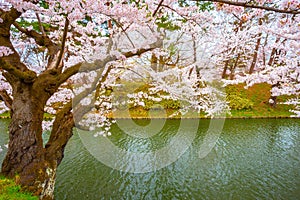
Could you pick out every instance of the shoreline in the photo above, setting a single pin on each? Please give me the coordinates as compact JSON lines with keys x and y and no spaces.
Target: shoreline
{"x":229,"y":117}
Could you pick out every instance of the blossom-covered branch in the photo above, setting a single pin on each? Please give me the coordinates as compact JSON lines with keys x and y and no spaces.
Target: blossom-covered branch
{"x":256,"y":4}
{"x":97,"y":64}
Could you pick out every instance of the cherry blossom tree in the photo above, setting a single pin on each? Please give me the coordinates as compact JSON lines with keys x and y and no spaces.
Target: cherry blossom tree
{"x":265,"y":47}
{"x":56,"y":54}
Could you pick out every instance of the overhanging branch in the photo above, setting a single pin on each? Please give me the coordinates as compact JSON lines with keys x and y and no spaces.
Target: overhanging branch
{"x":251,"y":5}
{"x":156,"y":10}
{"x":87,"y":67}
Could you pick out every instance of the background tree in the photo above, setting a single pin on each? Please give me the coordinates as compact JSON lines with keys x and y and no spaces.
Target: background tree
{"x":276,"y":56}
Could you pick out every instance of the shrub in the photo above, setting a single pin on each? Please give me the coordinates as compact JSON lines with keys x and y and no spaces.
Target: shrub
{"x":238,"y":103}
{"x":170,"y":104}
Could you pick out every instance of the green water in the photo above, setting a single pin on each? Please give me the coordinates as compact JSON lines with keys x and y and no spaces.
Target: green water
{"x":252,"y":159}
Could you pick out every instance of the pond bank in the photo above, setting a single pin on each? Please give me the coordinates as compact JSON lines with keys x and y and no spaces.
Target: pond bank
{"x":245,"y":104}
{"x":227,"y":117}
{"x":10,"y":190}
{"x":134,"y":116}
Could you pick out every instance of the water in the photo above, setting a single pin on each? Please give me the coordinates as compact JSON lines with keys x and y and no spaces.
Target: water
{"x":252,"y":159}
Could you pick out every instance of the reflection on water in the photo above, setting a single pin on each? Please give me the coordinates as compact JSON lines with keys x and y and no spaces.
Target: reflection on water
{"x":253,"y":159}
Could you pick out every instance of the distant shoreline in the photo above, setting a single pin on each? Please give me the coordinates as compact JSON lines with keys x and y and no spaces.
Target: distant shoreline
{"x":235,"y":117}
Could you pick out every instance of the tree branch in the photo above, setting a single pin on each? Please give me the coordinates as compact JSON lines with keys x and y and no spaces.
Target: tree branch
{"x":183,"y":16}
{"x":86,"y":67}
{"x":124,"y":30}
{"x":40,"y":24}
{"x":42,"y":40}
{"x":12,"y":63}
{"x":249,"y":5}
{"x":8,"y":18}
{"x":6,"y":98}
{"x":156,"y":10}
{"x":63,"y":44}
{"x":26,"y":76}
{"x":61,"y":133}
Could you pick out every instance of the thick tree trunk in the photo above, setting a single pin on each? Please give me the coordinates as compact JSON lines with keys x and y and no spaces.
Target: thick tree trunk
{"x":26,"y":157}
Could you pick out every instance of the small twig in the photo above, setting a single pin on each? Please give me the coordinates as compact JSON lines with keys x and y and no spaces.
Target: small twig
{"x":183,"y":16}
{"x":40,"y":24}
{"x":126,"y":68}
{"x":124,"y":30}
{"x":159,"y":5}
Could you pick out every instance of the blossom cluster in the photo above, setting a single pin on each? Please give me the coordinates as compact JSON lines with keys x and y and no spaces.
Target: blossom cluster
{"x":5,"y":51}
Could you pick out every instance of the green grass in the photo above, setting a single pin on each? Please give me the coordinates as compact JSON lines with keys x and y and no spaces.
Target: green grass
{"x":48,"y":116}
{"x":259,"y":95}
{"x":5,"y":115}
{"x":9,"y":190}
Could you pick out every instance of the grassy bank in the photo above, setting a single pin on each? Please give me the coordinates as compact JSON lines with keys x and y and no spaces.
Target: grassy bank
{"x":258,"y":97}
{"x":9,"y":190}
{"x":245,"y":103}
{"x":6,"y":115}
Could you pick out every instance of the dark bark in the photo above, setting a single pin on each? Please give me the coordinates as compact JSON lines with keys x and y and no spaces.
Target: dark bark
{"x":154,"y":62}
{"x":228,"y":64}
{"x":4,"y":96}
{"x":233,"y":67}
{"x":225,"y":69}
{"x":274,"y":98}
{"x":25,"y":133}
{"x":26,"y":157}
{"x":253,"y":64}
{"x":273,"y":54}
{"x":264,"y":52}
{"x":161,"y":64}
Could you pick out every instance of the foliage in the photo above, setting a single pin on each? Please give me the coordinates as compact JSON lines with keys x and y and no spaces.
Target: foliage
{"x":170,"y":104}
{"x":258,"y":94}
{"x":236,"y":99}
{"x":238,"y":103}
{"x":152,"y":104}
